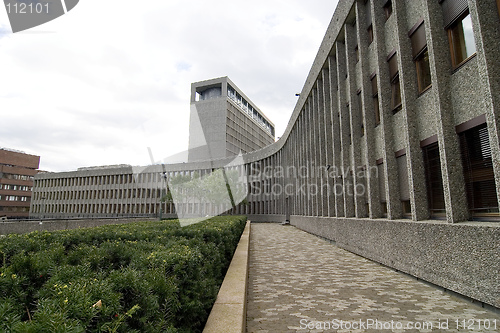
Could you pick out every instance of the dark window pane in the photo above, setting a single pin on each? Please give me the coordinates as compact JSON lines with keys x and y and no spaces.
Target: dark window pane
{"x":388,"y":9}
{"x":478,"y":170}
{"x":396,"y":93}
{"x":433,"y":179}
{"x":418,"y":40}
{"x":423,"y":71}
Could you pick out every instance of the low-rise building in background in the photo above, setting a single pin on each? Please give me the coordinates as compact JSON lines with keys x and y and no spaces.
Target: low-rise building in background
{"x":17,"y":170}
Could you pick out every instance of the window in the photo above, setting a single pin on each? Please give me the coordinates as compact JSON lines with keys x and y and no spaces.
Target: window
{"x":478,"y":171}
{"x":462,"y":42}
{"x":376,"y":110}
{"x":395,"y":85}
{"x":458,"y":23}
{"x":349,"y":125}
{"x":404,"y":189}
{"x":370,"y":33}
{"x":433,"y":179}
{"x":360,"y":108}
{"x":369,"y":21}
{"x":420,"y":56}
{"x":388,"y":9}
{"x":423,"y":71}
{"x":381,"y":184}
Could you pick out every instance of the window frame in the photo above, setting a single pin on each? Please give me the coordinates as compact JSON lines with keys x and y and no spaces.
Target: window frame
{"x":392,"y":61}
{"x":396,"y":92}
{"x":376,"y":108}
{"x":360,"y":108}
{"x":420,"y":53}
{"x":433,"y":177}
{"x":478,"y":172}
{"x":388,"y":9}
{"x":452,"y":41}
{"x":418,"y":65}
{"x":370,"y":33}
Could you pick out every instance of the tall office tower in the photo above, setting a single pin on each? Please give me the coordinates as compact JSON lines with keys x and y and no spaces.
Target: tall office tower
{"x":224,"y":122}
{"x":17,"y":170}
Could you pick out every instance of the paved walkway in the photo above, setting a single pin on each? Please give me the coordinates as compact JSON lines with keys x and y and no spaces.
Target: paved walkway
{"x":301,"y":283}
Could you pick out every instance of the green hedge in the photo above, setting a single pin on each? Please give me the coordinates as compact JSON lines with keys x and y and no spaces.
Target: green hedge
{"x":140,"y":277}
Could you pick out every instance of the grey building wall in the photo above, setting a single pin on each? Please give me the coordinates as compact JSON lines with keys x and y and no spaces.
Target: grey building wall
{"x":333,"y":142}
{"x":224,"y":121}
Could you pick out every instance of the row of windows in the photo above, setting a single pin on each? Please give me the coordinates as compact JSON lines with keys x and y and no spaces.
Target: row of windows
{"x":248,"y":109}
{"x":480,"y":187}
{"x":246,"y":143}
{"x":246,"y":125}
{"x":98,"y":194}
{"x":16,"y":177}
{"x":458,"y":25}
{"x":102,"y":180}
{"x":14,"y":198}
{"x":463,"y":47}
{"x":15,"y":187}
{"x":14,"y":209}
{"x":190,"y":208}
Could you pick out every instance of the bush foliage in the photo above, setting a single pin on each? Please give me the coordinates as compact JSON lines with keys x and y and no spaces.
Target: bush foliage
{"x":140,"y":277}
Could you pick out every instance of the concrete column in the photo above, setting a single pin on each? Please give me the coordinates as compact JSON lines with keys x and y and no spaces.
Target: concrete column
{"x":316,"y":149}
{"x":303,"y":164}
{"x":355,"y":119}
{"x":449,"y":149}
{"x":326,"y":138}
{"x":394,"y":209}
{"x":345,"y":129}
{"x":310,"y":201}
{"x":336,"y":169}
{"x":321,"y":167}
{"x":328,"y":141}
{"x":409,"y":94}
{"x":368,"y":140}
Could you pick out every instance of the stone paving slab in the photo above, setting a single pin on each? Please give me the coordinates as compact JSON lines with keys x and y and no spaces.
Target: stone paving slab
{"x":301,"y":283}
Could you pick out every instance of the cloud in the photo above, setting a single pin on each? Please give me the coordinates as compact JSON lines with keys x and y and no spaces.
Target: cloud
{"x":113,"y":77}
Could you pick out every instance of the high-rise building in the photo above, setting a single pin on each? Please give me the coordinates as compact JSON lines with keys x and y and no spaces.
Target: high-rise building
{"x":17,"y":170}
{"x":224,"y":122}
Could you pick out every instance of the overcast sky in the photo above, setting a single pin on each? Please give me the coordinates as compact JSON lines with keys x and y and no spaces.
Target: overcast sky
{"x":110,"y":78}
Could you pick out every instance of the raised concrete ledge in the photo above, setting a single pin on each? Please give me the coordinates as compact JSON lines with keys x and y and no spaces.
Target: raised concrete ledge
{"x":229,"y":311}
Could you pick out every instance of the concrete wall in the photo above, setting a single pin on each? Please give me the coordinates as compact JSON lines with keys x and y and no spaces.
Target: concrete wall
{"x":21,"y":227}
{"x":464,"y":257}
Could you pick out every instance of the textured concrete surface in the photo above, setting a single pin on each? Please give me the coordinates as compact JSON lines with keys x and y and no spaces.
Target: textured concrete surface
{"x":300,"y":283}
{"x":463,"y":257}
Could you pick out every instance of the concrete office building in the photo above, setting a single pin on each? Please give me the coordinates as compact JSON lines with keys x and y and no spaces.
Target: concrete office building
{"x":17,"y":170}
{"x":224,"y":122}
{"x":392,"y":150}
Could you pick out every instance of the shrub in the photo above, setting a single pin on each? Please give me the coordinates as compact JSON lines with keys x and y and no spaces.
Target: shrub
{"x":140,"y":277}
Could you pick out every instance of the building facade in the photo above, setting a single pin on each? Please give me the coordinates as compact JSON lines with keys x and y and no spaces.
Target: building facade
{"x":224,"y":122}
{"x":392,"y":150}
{"x":17,"y":171}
